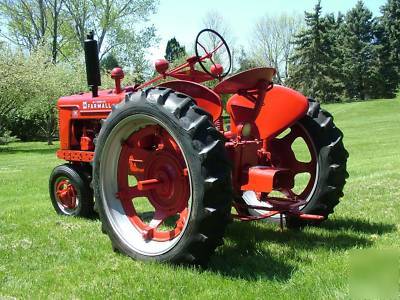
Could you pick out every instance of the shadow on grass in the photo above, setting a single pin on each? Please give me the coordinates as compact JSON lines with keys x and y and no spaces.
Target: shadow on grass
{"x":358,"y":226}
{"x":15,"y":150}
{"x":245,"y":257}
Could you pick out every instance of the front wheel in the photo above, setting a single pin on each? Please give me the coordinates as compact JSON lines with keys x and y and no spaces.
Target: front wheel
{"x":162,"y":179}
{"x":70,"y":191}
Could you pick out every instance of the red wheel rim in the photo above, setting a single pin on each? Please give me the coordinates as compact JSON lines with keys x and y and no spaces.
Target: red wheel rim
{"x":66,"y":193}
{"x":283,"y":156}
{"x":153,"y":157}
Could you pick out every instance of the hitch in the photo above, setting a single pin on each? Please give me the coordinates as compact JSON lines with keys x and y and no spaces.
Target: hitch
{"x":281,"y":206}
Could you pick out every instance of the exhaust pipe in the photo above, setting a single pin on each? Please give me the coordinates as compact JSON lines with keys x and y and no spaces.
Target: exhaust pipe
{"x":92,"y":64}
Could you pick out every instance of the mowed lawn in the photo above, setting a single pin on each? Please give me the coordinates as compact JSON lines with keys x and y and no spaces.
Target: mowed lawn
{"x":43,"y":255}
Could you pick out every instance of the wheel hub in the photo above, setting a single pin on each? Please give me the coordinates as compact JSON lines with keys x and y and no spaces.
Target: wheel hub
{"x":284,"y":156}
{"x":169,"y":195}
{"x":66,"y":194}
{"x":154,"y":158}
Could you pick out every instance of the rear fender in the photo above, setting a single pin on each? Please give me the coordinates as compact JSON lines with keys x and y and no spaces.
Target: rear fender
{"x":203,"y":96}
{"x":281,"y":108}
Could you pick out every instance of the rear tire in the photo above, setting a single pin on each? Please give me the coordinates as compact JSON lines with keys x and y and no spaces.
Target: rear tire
{"x":203,"y":151}
{"x":326,"y":150}
{"x":332,"y":160}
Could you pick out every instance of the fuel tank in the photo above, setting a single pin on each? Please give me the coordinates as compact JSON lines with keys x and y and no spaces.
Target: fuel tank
{"x":280,"y":108}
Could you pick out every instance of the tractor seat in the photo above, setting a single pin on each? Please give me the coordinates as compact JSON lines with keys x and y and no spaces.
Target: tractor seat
{"x":245,"y":80}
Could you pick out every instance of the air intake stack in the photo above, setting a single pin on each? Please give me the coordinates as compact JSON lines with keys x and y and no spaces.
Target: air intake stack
{"x":92,"y":63}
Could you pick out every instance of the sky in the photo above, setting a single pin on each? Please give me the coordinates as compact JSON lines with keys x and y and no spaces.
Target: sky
{"x":183,"y":19}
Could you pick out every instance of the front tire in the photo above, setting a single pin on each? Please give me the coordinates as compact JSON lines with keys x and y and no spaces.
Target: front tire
{"x":171,"y":148}
{"x":70,"y":191}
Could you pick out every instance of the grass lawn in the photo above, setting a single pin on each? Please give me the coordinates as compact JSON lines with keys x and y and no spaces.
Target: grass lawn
{"x":43,"y":255}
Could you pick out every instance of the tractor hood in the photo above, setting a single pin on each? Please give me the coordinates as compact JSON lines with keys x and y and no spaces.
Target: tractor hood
{"x":86,"y":103}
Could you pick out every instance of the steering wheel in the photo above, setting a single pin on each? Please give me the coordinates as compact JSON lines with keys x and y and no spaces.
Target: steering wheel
{"x":219,"y":56}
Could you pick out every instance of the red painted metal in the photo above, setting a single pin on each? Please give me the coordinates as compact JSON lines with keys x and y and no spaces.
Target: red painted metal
{"x":66,"y":194}
{"x":246,"y":218}
{"x":83,"y":108}
{"x":311,"y":217}
{"x":192,"y":75}
{"x":279,"y":109}
{"x":266,"y":179}
{"x":216,"y":70}
{"x":284,"y":157}
{"x":149,"y":184}
{"x":246,"y":80}
{"x":204,"y":97}
{"x":161,"y":65}
{"x":219,"y":124}
{"x":162,"y":178}
{"x":75,"y":155}
{"x":258,"y":112}
{"x":86,"y":142}
{"x":186,"y":71}
{"x":282,"y":206}
{"x":117,"y":74}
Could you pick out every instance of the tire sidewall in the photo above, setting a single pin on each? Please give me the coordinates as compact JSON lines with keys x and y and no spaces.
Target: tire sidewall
{"x":318,"y":139}
{"x":76,"y":180}
{"x":172,"y":125}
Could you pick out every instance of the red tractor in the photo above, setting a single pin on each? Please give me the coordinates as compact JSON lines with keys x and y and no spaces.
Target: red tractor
{"x":166,"y":171}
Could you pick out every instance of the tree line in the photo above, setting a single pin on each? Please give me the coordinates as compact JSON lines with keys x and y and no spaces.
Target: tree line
{"x":41,"y":55}
{"x":61,"y":26}
{"x":330,"y":57}
{"x":333,"y":58}
{"x":353,"y":56}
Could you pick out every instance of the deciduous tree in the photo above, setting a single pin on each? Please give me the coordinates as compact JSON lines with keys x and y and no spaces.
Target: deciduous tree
{"x":272,"y":42}
{"x":120,"y":26}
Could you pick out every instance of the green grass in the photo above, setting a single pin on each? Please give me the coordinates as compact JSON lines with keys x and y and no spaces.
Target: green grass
{"x":43,"y":255}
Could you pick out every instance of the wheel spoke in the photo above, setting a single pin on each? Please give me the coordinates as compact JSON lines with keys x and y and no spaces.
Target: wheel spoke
{"x":204,"y":48}
{"x":137,"y":157}
{"x":182,"y":218}
{"x":289,"y":193}
{"x":284,"y":156}
{"x":154,"y":157}
{"x":139,"y":154}
{"x":284,"y":144}
{"x":288,"y":139}
{"x":169,"y":143}
{"x":303,"y":167}
{"x":159,"y":217}
{"x":217,"y":48}
{"x":217,"y":42}
{"x":130,"y":193}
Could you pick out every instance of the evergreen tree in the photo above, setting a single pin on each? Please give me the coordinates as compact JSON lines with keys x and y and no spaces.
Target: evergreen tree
{"x":359,"y":53}
{"x":388,"y":34}
{"x":174,"y":50}
{"x":314,"y":69}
